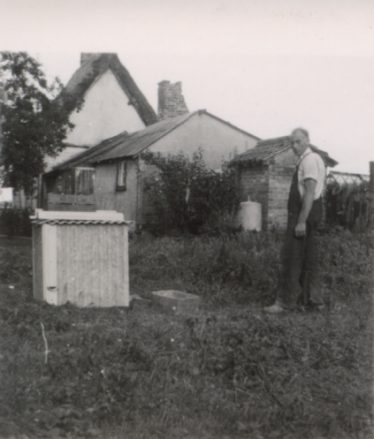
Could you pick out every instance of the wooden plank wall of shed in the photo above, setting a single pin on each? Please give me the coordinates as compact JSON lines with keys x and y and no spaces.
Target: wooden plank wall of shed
{"x":37,"y":262}
{"x":93,"y":265}
{"x":254,"y":185}
{"x":106,"y":195}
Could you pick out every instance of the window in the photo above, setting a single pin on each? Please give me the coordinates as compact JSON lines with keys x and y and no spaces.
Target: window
{"x":84,"y":181}
{"x":121,"y":175}
{"x":78,"y":181}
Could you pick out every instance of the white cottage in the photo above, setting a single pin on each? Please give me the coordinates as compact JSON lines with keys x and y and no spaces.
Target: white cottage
{"x":101,"y":166}
{"x":104,"y":101}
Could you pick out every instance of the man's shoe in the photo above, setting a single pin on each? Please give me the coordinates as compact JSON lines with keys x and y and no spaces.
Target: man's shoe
{"x":276,"y":308}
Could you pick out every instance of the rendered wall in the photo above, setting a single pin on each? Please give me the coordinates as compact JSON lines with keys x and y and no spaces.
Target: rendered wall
{"x":219,"y":141}
{"x":106,"y":195}
{"x":104,"y":113}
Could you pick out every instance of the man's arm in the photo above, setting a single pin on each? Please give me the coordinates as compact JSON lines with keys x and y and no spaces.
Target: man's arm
{"x":308,"y":198}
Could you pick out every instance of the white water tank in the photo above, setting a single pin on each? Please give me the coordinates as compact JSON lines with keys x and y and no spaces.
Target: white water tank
{"x":80,"y":257}
{"x":249,"y":215}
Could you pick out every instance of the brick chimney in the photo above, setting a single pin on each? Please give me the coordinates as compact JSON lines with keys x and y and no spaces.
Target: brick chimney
{"x":171,"y":102}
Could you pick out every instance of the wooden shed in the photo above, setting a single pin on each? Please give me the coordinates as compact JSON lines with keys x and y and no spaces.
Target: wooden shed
{"x":265,"y":174}
{"x":80,"y":257}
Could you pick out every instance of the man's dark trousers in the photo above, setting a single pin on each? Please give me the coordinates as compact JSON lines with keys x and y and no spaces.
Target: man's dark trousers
{"x":299,"y":254}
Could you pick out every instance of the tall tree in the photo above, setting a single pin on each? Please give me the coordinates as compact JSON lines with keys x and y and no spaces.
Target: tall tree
{"x":35,"y":123}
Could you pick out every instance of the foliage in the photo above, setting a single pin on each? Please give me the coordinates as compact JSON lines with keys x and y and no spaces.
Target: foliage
{"x":185,"y":196}
{"x":35,"y":123}
{"x":348,"y":204}
{"x":15,"y":222}
{"x":227,"y":371}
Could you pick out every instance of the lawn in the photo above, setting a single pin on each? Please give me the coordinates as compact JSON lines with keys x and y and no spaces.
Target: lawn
{"x":229,"y":371}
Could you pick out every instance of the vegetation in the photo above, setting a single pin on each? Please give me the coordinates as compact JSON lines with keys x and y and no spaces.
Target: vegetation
{"x":184,"y":195}
{"x":35,"y":123}
{"x":15,"y":222}
{"x":348,"y":202}
{"x":229,"y":371}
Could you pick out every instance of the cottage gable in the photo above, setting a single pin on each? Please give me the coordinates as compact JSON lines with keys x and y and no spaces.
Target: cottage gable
{"x":105,"y":111}
{"x":104,"y":100}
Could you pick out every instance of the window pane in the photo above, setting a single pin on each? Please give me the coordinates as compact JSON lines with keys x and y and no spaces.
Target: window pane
{"x":84,"y":181}
{"x":121,"y":175}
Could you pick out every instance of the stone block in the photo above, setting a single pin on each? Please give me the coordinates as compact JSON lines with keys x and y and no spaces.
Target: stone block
{"x":176,"y":301}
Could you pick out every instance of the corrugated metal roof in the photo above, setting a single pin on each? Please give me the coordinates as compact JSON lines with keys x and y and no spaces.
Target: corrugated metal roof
{"x":89,"y":71}
{"x":124,"y":145}
{"x":62,"y":222}
{"x":97,"y":217}
{"x":267,"y":149}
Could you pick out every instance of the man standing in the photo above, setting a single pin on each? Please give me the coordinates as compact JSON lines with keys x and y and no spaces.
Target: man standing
{"x":299,"y":274}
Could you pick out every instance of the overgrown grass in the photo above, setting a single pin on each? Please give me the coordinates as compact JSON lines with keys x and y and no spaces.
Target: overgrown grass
{"x":230,"y":371}
{"x":244,"y":268}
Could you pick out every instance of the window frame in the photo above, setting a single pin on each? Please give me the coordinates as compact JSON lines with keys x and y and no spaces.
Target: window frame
{"x":121,"y":168}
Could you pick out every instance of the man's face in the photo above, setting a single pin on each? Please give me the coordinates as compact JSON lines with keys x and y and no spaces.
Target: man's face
{"x":299,"y":142}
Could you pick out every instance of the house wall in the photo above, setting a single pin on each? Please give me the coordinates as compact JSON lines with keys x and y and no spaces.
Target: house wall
{"x":107,"y":197}
{"x":105,"y":112}
{"x":280,"y":176}
{"x":219,"y":141}
{"x":254,"y":186}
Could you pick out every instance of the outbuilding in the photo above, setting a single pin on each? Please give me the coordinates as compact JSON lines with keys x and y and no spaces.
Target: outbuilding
{"x":264,"y":176}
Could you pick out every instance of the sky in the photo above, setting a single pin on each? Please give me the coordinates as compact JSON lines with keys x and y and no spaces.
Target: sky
{"x":267,"y":66}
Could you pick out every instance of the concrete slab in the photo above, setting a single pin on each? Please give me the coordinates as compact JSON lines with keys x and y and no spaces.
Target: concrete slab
{"x":176,"y":301}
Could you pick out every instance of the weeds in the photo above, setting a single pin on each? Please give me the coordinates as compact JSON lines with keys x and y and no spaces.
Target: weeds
{"x":230,"y":370}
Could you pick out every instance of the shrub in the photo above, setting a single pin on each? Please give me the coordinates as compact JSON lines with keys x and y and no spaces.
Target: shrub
{"x":15,"y":222}
{"x":185,"y":196}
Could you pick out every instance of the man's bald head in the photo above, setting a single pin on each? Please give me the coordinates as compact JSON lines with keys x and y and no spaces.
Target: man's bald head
{"x":303,"y":131}
{"x":299,"y":140}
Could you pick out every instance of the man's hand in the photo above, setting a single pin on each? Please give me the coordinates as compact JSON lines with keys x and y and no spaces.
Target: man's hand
{"x":300,"y":229}
{"x":309,"y":186}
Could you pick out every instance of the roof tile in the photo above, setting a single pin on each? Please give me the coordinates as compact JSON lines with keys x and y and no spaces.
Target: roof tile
{"x":266,"y":149}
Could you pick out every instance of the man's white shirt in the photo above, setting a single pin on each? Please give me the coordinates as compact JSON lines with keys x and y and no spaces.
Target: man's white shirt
{"x":311,"y":166}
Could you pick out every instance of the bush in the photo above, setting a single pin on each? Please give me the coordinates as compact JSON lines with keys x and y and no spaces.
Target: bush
{"x":185,"y":196}
{"x":15,"y":222}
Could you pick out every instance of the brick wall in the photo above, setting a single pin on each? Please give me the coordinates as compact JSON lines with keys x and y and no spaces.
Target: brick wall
{"x":254,"y":185}
{"x":279,"y":186}
{"x":171,"y":102}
